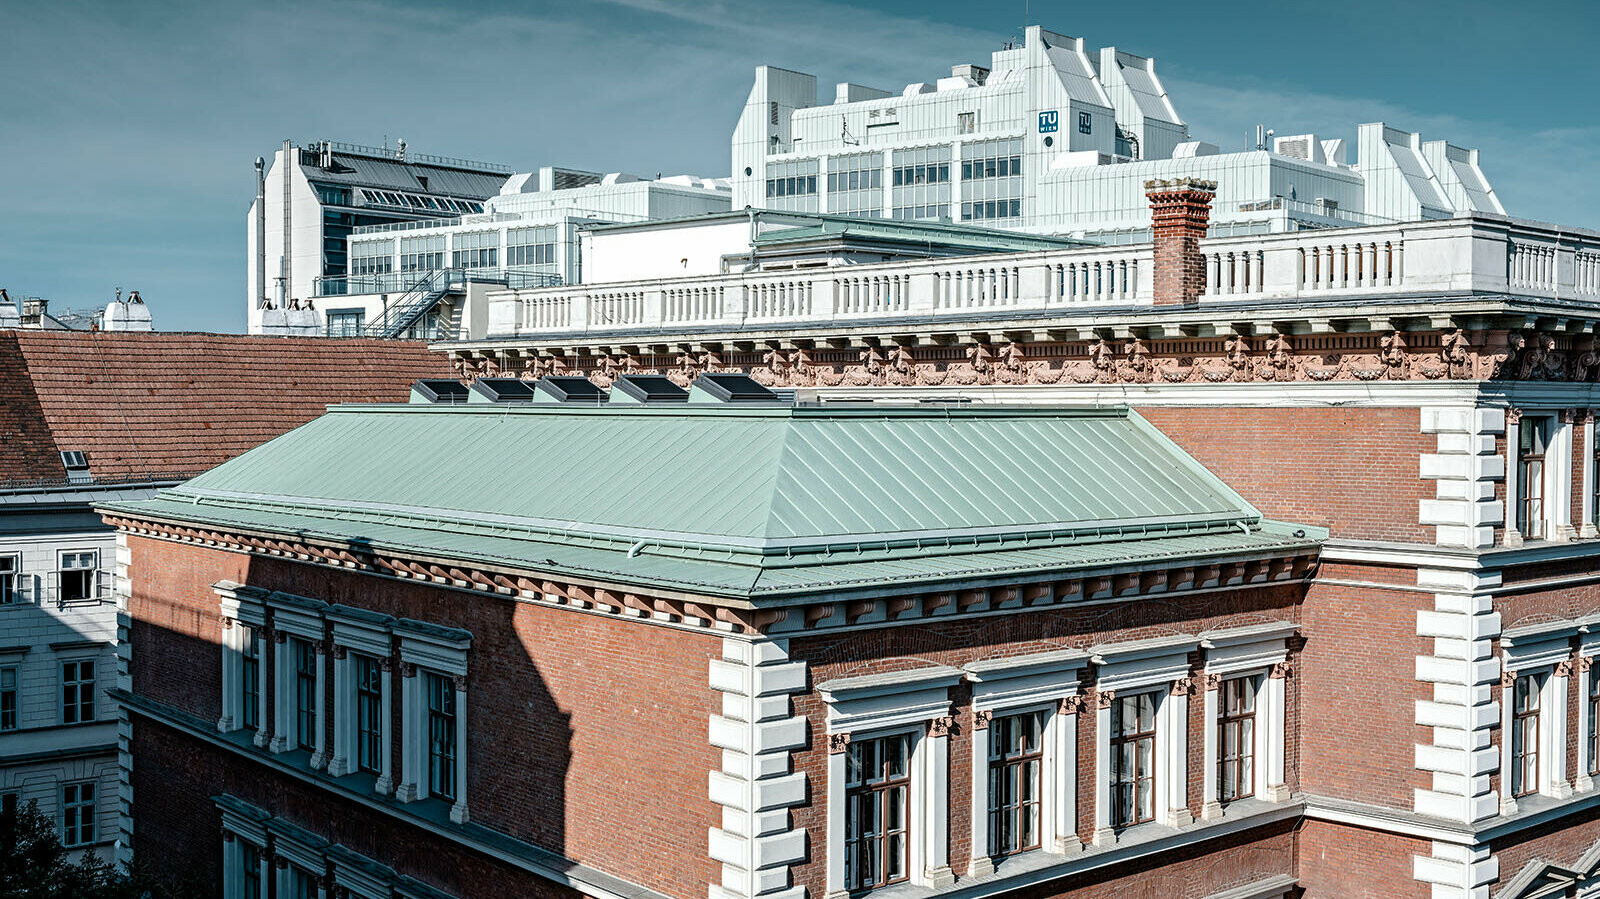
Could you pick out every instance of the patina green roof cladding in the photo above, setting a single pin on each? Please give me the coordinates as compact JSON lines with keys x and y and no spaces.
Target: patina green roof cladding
{"x":742,"y":477}
{"x":736,"y":501}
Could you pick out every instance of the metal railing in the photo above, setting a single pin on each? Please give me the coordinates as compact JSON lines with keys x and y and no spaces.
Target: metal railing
{"x":404,"y":282}
{"x":416,"y":225}
{"x":397,"y":155}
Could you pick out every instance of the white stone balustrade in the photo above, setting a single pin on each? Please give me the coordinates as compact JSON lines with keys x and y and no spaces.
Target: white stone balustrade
{"x":1450,"y":256}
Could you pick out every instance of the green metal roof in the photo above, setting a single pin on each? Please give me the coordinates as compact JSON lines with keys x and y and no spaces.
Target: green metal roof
{"x":735,"y":501}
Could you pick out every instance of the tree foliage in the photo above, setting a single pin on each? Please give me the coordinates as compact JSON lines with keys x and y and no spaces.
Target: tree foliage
{"x":34,"y":865}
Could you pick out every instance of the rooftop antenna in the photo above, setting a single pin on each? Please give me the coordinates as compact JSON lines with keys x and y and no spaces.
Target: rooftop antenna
{"x":844,"y":133}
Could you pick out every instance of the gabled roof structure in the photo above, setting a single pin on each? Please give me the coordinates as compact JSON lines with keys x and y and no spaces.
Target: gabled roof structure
{"x":761,"y":503}
{"x":145,"y":406}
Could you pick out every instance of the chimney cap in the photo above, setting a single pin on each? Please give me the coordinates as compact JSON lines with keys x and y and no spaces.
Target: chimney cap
{"x":1180,"y":184}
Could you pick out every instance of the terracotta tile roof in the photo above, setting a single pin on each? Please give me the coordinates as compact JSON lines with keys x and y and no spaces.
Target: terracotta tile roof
{"x":178,"y":404}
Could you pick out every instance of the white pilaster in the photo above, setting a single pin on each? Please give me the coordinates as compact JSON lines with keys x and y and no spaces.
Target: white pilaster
{"x":756,"y":842}
{"x":282,"y":735}
{"x":1585,"y":780}
{"x":1561,"y":480}
{"x":981,"y":863}
{"x":1103,"y":834}
{"x":1172,"y":762}
{"x":838,"y":747}
{"x":1586,"y":528}
{"x":1273,"y":737}
{"x":263,"y":671}
{"x":344,"y":714}
{"x":1553,"y":733}
{"x":936,"y":871}
{"x":230,"y":674}
{"x":458,"y":811}
{"x":413,"y":747}
{"x":1063,"y":769}
{"x":385,"y":784}
{"x":1211,"y":807}
{"x":319,"y":753}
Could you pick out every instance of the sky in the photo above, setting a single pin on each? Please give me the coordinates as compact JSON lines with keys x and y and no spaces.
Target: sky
{"x":128,"y":131}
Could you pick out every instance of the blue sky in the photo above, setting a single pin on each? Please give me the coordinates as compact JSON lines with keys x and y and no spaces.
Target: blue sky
{"x":128,"y":130}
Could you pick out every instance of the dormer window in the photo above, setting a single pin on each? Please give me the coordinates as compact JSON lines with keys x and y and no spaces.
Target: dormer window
{"x":77,"y":465}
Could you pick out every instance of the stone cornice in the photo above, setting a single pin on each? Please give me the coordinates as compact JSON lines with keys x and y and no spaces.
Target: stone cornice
{"x":1075,"y":356}
{"x":726,"y":617}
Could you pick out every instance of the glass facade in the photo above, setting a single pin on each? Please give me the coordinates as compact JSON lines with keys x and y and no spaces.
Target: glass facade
{"x":991,"y":179}
{"x":792,"y":185}
{"x":475,"y":249}
{"x":855,"y":185}
{"x":423,"y":253}
{"x":531,"y":246}
{"x":921,"y":183}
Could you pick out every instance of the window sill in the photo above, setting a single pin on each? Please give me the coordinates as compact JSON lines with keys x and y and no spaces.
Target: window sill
{"x":1038,"y":866}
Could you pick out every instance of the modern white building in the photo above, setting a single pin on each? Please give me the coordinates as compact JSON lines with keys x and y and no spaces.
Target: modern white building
{"x":1057,"y":138}
{"x":424,"y":278}
{"x":311,"y":198}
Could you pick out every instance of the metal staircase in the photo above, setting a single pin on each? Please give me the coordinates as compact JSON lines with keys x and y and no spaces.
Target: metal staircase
{"x":406,"y":310}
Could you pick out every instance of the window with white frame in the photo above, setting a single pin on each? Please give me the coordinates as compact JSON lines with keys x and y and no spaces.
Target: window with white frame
{"x":250,"y":677}
{"x":306,"y":692}
{"x":441,"y":735}
{"x":1133,"y":758}
{"x":1236,"y":742}
{"x":77,"y":691}
{"x":9,"y":708}
{"x":1141,"y":734}
{"x":1536,"y":663}
{"x":77,"y":576}
{"x":77,"y":813}
{"x":433,"y":707}
{"x":1024,"y":755}
{"x":369,"y":713}
{"x":1525,"y":735}
{"x":10,"y":579}
{"x":1016,"y":782}
{"x":1244,"y":714}
{"x":888,"y":778}
{"x":877,"y":799}
{"x":249,"y":872}
{"x":1591,"y":679}
{"x":1533,"y":442}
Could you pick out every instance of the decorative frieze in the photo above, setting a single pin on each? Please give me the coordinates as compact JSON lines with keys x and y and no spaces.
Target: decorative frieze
{"x":1091,"y":356}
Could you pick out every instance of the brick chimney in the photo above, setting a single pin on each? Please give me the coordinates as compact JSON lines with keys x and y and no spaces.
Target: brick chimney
{"x":1179,"y":211}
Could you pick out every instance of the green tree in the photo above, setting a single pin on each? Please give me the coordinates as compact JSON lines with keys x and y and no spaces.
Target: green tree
{"x":33,"y":864}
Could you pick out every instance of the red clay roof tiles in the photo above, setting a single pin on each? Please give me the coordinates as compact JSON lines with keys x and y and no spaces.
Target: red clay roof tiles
{"x":177,"y":404}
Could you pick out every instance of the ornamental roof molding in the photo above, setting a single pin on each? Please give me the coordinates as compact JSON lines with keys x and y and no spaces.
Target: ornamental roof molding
{"x":718,"y":615}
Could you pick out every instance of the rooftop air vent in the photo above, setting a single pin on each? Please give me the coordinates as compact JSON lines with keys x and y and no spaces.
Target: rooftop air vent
{"x":439,"y":390}
{"x":647,"y":389}
{"x":730,"y":387}
{"x":569,"y":389}
{"x":503,"y":390}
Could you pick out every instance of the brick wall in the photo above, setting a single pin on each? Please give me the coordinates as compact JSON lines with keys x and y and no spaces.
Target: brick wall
{"x":958,"y":643}
{"x":1561,"y":842}
{"x":1192,"y":872}
{"x":179,"y":830}
{"x":1355,"y":471}
{"x":1358,"y":690}
{"x":587,"y":735}
{"x":1341,"y":862}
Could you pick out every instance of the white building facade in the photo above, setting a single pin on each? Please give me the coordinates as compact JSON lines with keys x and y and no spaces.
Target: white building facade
{"x":1056,"y":138}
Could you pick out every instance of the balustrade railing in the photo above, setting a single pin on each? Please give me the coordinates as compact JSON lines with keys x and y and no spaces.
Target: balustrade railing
{"x":1416,"y":259}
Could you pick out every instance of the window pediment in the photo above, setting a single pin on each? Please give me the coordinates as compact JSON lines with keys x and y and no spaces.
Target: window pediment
{"x":875,"y":701}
